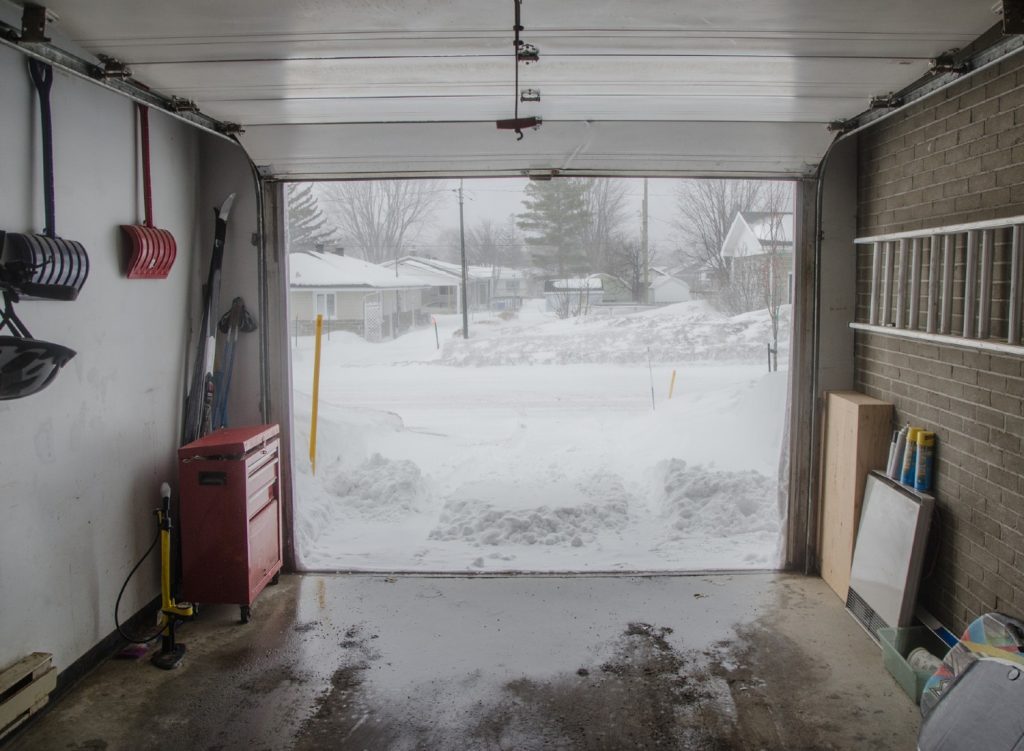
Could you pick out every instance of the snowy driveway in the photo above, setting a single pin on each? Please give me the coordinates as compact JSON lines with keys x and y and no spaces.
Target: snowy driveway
{"x":427,"y":462}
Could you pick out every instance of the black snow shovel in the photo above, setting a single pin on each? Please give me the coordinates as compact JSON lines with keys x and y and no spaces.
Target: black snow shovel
{"x":45,"y":266}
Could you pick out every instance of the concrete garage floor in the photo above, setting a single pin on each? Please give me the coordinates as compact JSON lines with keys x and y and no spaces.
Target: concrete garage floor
{"x":731,"y":661}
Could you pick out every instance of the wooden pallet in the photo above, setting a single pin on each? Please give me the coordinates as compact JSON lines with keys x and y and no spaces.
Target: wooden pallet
{"x":25,"y":688}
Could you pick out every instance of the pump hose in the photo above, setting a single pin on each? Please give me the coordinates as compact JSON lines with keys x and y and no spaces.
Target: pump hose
{"x":117,"y":604}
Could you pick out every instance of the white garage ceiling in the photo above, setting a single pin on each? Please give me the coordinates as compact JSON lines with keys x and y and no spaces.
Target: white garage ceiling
{"x":368,"y":87}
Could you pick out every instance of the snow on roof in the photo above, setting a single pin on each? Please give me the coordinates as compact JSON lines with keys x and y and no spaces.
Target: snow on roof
{"x":429,"y":277}
{"x":452,"y":270}
{"x":665,"y":279}
{"x":312,"y":269}
{"x":761,"y":224}
{"x":755,"y":232}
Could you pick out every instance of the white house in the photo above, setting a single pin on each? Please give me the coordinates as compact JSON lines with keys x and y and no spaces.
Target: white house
{"x":665,"y":288}
{"x":445,"y":282}
{"x":352,"y":295}
{"x":759,"y":248}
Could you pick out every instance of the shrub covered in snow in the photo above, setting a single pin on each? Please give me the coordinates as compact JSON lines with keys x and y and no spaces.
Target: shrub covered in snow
{"x":685,"y":332}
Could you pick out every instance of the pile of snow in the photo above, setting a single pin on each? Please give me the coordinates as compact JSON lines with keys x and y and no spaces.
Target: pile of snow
{"x":690,"y":331}
{"x":479,"y":521}
{"x":380,"y":489}
{"x":710,"y":503}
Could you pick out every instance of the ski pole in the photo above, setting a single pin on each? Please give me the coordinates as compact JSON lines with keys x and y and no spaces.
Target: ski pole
{"x":650,"y":369}
{"x":672,"y":384}
{"x":437,"y":338}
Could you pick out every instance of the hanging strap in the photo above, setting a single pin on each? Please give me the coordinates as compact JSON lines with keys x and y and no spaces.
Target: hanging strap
{"x":147,"y":186}
{"x":42,"y":77}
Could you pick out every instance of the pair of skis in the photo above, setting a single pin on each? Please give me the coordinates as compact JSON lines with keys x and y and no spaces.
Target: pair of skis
{"x":199,"y":401}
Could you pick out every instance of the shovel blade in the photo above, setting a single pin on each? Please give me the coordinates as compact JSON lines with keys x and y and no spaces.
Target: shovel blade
{"x":149,"y":252}
{"x":46,"y":268}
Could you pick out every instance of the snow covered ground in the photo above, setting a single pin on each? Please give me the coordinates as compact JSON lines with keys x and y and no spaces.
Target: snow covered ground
{"x":533,"y":446}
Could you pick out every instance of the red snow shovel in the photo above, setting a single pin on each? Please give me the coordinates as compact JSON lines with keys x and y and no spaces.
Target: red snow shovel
{"x":150,"y":251}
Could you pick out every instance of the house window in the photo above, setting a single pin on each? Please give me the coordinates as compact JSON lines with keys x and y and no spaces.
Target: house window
{"x":325,"y":305}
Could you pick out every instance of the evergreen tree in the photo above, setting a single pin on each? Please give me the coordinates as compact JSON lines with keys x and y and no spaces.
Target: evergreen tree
{"x":307,"y":226}
{"x":555,"y":222}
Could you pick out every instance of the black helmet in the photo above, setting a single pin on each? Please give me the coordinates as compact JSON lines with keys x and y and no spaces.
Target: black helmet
{"x":29,"y":365}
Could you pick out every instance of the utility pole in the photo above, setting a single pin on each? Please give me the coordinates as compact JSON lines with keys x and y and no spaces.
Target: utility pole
{"x":462,"y":243}
{"x":646,"y":253}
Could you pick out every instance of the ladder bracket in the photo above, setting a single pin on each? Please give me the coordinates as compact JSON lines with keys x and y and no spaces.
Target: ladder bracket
{"x":34,"y":20}
{"x":1013,"y":17}
{"x":113,"y":69}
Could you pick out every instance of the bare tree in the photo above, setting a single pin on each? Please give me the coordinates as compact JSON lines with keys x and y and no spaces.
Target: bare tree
{"x":759,"y":277}
{"x":777,"y":202}
{"x":626,"y":262}
{"x":489,"y":243}
{"x":606,"y":207}
{"x":378,"y":217}
{"x":706,"y":209}
{"x":571,"y":303}
{"x":446,"y":245}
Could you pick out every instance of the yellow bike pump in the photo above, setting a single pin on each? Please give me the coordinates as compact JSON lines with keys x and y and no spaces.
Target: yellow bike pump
{"x":171,"y":652}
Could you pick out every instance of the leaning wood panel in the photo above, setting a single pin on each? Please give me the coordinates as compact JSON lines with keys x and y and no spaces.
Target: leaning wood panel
{"x":857,"y":433}
{"x":25,"y":688}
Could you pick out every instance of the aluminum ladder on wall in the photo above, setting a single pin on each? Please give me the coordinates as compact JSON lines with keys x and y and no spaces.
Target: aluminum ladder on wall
{"x":919,"y":267}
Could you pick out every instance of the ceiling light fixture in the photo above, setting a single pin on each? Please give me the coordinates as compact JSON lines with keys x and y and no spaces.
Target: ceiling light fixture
{"x":525,"y":53}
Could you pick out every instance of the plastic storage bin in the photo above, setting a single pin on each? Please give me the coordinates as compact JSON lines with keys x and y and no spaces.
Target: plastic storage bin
{"x":897,"y":643}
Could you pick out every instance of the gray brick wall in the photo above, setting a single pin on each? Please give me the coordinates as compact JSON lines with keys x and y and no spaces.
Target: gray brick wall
{"x":958,"y":157}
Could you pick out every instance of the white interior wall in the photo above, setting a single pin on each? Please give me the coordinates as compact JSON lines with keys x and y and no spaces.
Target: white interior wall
{"x":838,"y":267}
{"x":82,"y":461}
{"x":224,"y":169}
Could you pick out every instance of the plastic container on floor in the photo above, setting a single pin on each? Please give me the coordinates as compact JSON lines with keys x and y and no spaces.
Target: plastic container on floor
{"x":897,"y":644}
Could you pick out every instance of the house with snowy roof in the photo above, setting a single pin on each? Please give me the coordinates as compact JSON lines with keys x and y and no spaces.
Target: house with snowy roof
{"x":353,"y":295}
{"x":758,"y":251}
{"x":445,"y":282}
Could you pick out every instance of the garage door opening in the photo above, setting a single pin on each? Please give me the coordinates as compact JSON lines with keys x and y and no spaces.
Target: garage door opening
{"x":619,"y":403}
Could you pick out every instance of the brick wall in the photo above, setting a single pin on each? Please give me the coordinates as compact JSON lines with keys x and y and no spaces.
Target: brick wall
{"x":958,"y":157}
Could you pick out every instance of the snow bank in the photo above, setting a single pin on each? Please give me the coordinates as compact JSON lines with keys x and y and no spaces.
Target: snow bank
{"x":703,"y":502}
{"x":380,"y":489}
{"x":477,"y":520}
{"x":690,"y":331}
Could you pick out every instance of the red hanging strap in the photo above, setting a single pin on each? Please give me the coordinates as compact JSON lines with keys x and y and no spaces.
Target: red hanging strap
{"x":147,"y":188}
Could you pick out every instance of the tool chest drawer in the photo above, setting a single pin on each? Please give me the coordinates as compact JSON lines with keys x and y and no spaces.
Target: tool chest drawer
{"x":230,"y":515}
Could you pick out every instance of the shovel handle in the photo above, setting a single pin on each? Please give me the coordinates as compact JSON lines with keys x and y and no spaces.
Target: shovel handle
{"x":42,"y":77}
{"x":147,"y":185}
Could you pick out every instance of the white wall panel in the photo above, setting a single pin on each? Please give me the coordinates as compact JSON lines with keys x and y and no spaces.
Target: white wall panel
{"x":82,"y":461}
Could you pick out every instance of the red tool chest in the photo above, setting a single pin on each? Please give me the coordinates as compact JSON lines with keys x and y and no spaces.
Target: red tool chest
{"x":230,"y":515}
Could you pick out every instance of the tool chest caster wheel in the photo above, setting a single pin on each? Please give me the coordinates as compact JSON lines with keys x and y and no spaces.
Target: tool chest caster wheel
{"x":244,"y":614}
{"x":276,"y":579}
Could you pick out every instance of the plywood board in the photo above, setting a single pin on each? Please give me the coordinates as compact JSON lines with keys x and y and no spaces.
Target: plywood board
{"x":857,"y":435}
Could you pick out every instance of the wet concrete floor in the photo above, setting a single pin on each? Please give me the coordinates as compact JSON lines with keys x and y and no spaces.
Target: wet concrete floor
{"x":725,"y":661}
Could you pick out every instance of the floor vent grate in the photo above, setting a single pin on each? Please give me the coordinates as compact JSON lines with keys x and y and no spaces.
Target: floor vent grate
{"x":864,"y":613}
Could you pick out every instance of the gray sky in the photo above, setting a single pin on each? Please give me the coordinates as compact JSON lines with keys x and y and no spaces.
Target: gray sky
{"x":496,"y":198}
